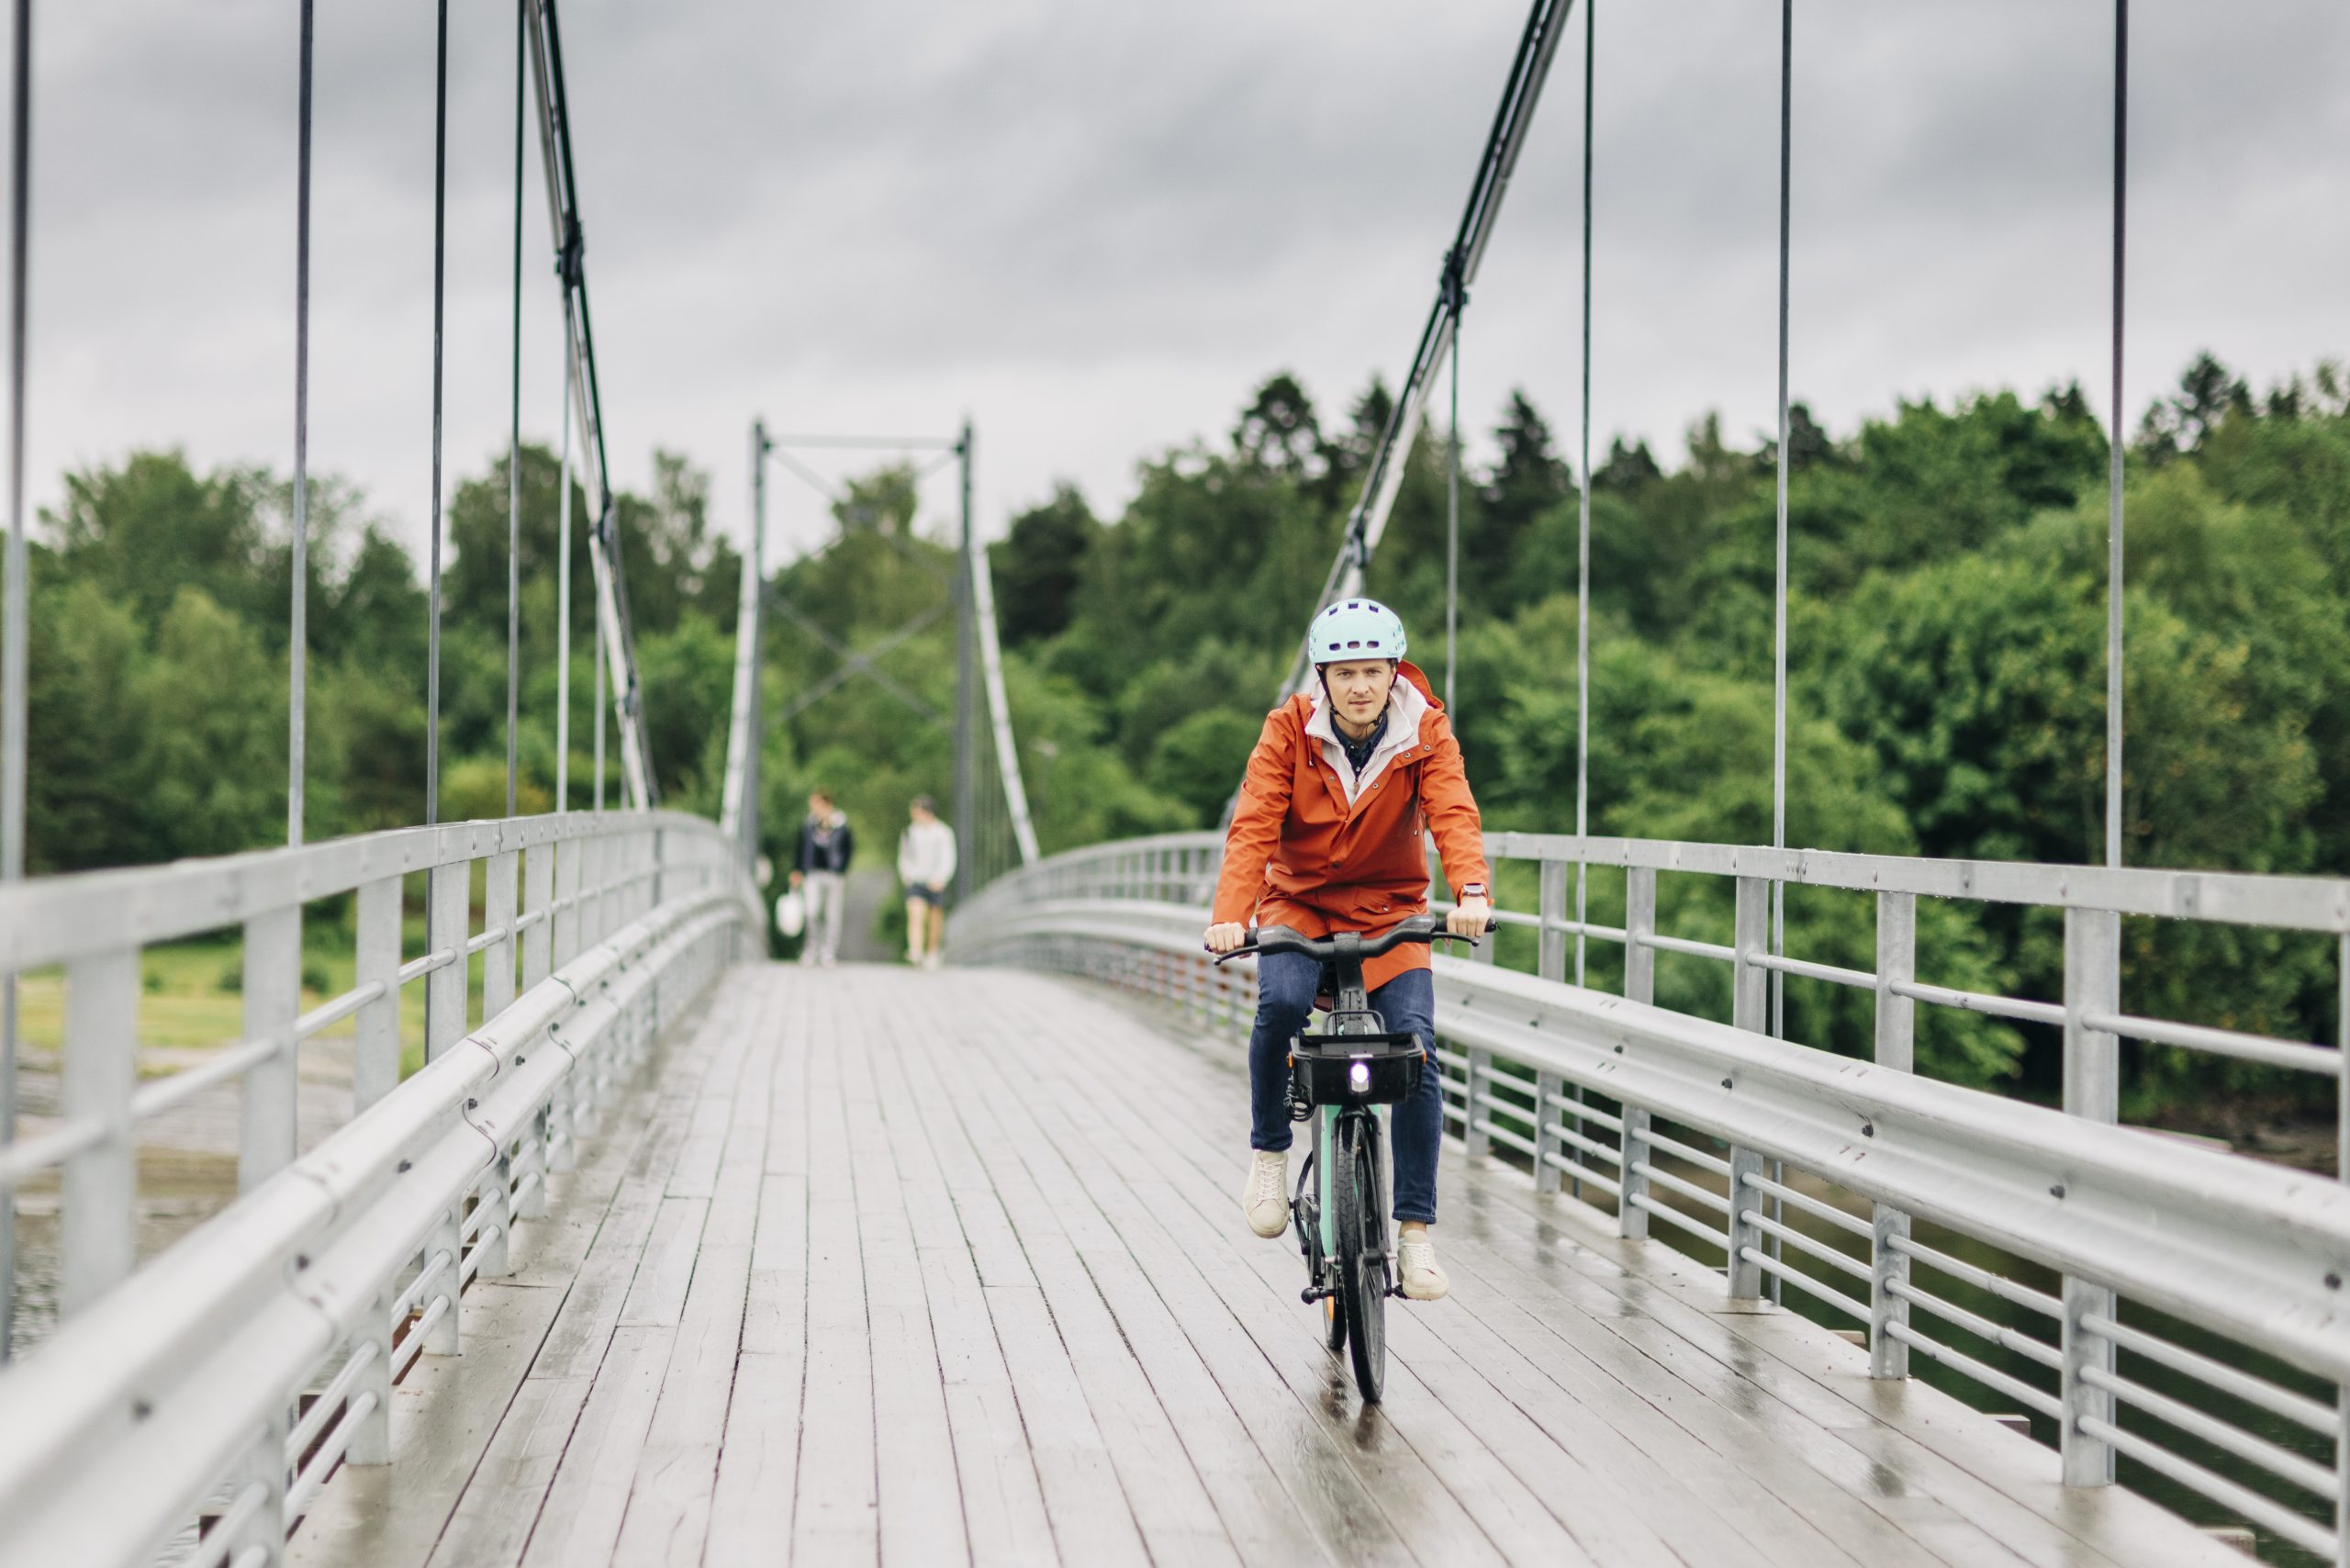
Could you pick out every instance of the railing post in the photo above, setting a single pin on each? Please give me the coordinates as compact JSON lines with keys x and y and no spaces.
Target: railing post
{"x":490,"y":1238}
{"x":1750,"y":981}
{"x":590,"y":899}
{"x":263,"y":1531}
{"x":1550,"y":907}
{"x":1640,"y":985}
{"x":1896,"y":961}
{"x":497,"y":916}
{"x":567,"y":852}
{"x":375,"y":1050}
{"x":1745,"y":1274}
{"x":446,"y":911}
{"x":1750,"y":1009}
{"x":2093,"y":1092}
{"x":1547,"y":1086}
{"x":372,"y":1443}
{"x":100,"y":1185}
{"x":273,"y":981}
{"x":557,"y":1152}
{"x":448,"y":1236}
{"x":1473,"y":1141}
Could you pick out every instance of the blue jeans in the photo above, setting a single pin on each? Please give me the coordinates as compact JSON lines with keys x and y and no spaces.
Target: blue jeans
{"x":1285,"y":986}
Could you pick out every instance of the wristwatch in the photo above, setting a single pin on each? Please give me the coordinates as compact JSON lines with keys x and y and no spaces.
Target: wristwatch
{"x":1473,"y":890}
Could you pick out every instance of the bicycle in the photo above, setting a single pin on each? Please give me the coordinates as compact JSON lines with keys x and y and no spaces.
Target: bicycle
{"x":1337,"y":1079}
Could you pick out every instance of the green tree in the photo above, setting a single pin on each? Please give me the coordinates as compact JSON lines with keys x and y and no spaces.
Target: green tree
{"x":213,"y":756}
{"x":88,"y":715}
{"x":1039,"y":567}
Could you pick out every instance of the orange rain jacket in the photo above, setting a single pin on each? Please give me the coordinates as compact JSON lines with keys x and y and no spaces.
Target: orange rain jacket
{"x":1300,"y":855}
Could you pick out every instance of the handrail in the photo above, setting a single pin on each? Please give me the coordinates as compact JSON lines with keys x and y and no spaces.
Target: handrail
{"x":185,"y":1372}
{"x":2232,"y":898}
{"x":51,"y":919}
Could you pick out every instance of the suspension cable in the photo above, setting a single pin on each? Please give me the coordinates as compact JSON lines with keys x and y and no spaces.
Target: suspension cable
{"x":514,"y":431}
{"x":1779,"y":595}
{"x":1452,"y":518}
{"x":298,"y":636}
{"x":2114,"y":461}
{"x":1583,"y":523}
{"x":563,"y":577}
{"x":439,"y":299}
{"x":14,"y":641}
{"x":599,"y":701}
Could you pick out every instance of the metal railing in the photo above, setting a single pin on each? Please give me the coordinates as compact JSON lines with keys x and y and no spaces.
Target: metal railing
{"x":2096,"y":1258}
{"x":232,"y":1374}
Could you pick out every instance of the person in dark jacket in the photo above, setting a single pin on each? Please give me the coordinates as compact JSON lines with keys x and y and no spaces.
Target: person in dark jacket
{"x":826,"y":843}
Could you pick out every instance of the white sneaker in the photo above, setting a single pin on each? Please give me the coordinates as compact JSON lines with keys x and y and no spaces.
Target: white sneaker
{"x":914,"y":960}
{"x":933,"y":961}
{"x":1422,"y":1280}
{"x":1266,"y":1198}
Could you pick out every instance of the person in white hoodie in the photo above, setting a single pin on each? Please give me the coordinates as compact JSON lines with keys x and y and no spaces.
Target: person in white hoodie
{"x":926,"y":864}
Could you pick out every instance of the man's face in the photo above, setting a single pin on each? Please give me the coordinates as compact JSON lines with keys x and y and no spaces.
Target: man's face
{"x":1359,"y":689}
{"x":922,"y":815}
{"x":820,"y":805}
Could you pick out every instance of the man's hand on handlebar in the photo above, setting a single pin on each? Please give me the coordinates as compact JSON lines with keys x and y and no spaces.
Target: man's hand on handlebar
{"x":1225,"y":936}
{"x":1470,"y":917}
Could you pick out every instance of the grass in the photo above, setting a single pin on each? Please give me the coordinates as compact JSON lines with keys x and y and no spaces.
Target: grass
{"x":190,"y":997}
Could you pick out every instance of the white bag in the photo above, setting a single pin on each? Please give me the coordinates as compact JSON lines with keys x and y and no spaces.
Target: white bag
{"x":790,"y":914}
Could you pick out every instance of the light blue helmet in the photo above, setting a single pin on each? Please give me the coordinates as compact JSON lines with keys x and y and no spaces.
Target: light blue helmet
{"x":1355,"y":629}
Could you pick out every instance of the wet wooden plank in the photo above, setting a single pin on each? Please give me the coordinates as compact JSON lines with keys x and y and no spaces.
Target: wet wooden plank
{"x":670,"y":1499}
{"x":1134,"y":1325}
{"x":502,"y":1497}
{"x":1892,"y":1438}
{"x":589,"y":1497}
{"x":1170,"y":1506}
{"x":916,"y":1459}
{"x":444,"y":1416}
{"x":1003,"y":1503}
{"x":758,"y":1462}
{"x":837,"y":1514}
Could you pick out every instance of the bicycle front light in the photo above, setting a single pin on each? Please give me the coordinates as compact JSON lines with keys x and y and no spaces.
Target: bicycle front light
{"x":1358,"y":1078}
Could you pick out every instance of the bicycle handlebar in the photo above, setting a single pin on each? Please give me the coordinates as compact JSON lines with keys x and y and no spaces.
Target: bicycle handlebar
{"x":1426,"y":928}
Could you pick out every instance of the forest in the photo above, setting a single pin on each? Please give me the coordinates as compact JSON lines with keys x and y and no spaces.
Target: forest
{"x":1945,"y":634}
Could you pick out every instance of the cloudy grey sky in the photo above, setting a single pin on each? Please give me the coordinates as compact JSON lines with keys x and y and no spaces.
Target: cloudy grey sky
{"x":1095,"y":226}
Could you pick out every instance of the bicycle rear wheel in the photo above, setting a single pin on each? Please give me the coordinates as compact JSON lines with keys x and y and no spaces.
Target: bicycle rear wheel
{"x":1362,"y":1249}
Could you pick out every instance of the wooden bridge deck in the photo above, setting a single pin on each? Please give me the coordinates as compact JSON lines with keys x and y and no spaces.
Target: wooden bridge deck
{"x":877,"y":1265}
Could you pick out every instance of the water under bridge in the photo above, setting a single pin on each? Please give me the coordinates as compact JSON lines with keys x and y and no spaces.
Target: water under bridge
{"x":660,"y":1251}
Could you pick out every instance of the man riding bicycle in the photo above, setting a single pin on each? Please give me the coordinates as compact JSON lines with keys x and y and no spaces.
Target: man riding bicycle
{"x":1326,"y":837}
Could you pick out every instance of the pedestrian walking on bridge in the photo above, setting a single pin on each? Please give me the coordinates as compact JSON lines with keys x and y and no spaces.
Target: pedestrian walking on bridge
{"x":826,"y":843}
{"x":926,"y":864}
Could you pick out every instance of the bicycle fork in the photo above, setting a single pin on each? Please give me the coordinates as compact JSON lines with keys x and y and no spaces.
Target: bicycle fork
{"x":1321,"y":1250}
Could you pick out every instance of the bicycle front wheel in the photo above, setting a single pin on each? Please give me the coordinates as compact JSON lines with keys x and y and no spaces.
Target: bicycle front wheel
{"x":1362,"y":1252}
{"x":1308,"y":1209}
